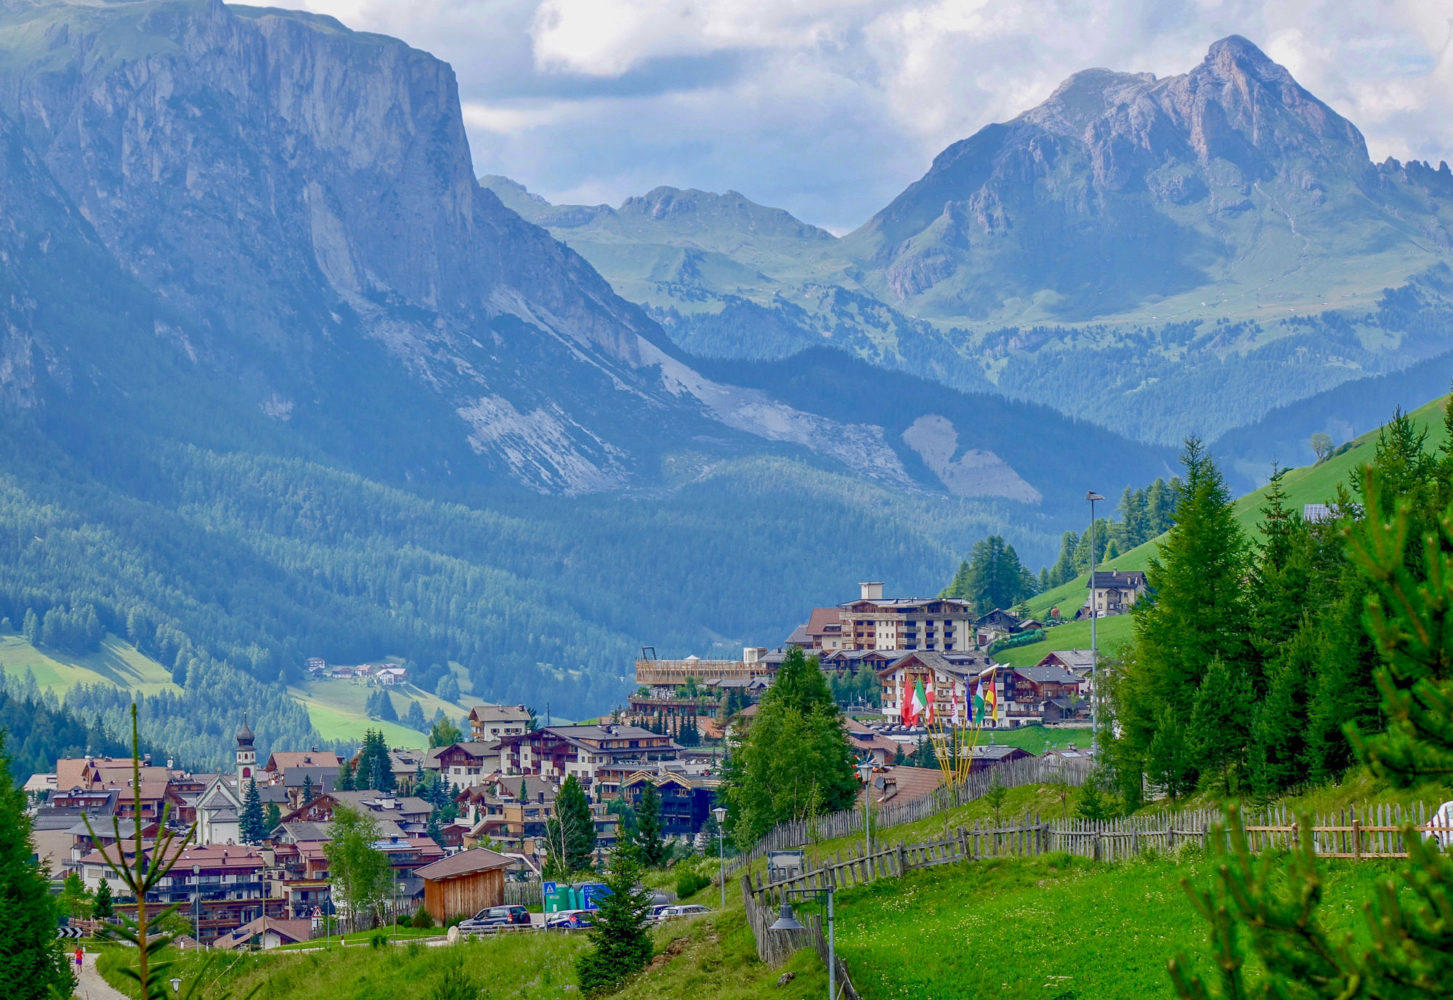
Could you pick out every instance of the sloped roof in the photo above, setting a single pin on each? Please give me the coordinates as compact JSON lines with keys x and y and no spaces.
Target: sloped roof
{"x":478,"y":859}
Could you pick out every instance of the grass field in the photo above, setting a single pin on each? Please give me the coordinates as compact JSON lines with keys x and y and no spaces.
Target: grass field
{"x":1042,"y":928}
{"x":1113,"y":632}
{"x":336,"y":708}
{"x":116,"y":663}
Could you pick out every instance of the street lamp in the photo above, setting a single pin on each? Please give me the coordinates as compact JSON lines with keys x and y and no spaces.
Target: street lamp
{"x":197,"y":903}
{"x":176,"y":985}
{"x":865,"y":771}
{"x":787,"y":922}
{"x":720,"y":815}
{"x":1092,"y":496}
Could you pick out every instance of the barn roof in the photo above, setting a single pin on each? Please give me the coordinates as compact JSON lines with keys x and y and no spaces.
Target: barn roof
{"x":479,"y":859}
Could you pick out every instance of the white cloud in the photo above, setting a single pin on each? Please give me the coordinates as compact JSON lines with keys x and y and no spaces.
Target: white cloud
{"x":830,"y":107}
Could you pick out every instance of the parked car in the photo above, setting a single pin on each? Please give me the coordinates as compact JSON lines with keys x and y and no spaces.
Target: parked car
{"x":657,"y":910}
{"x":568,"y":920}
{"x":688,"y":910}
{"x":493,"y":917}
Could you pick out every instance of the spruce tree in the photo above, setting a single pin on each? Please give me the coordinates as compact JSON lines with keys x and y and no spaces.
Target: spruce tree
{"x":1219,"y":729}
{"x":1406,"y":948}
{"x":620,"y":939}
{"x":271,"y":817}
{"x":251,"y":825}
{"x":570,"y":833}
{"x":307,"y":788}
{"x":650,"y":847}
{"x":345,"y":777}
{"x":102,"y":907}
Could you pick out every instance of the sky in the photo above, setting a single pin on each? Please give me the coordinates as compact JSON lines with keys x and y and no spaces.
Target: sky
{"x":829,"y":108}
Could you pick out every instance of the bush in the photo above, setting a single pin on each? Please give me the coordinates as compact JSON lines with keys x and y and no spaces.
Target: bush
{"x":423,"y":919}
{"x":689,"y":883}
{"x":379,"y":940}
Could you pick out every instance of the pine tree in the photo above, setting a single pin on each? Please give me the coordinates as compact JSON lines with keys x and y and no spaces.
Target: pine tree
{"x":250,"y":825}
{"x":650,"y":847}
{"x":345,"y":777}
{"x":620,"y":939}
{"x":75,"y":902}
{"x":1406,"y":948}
{"x":102,"y":908}
{"x":271,"y":817}
{"x":570,"y":833}
{"x":307,"y":788}
{"x":1219,"y":729}
{"x":1195,"y":613}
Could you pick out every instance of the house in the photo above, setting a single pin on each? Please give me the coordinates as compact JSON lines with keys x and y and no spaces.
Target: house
{"x":896,"y":785}
{"x":1027,"y":689}
{"x":557,"y":752}
{"x":869,"y":743}
{"x":282,"y":761}
{"x":686,"y":801}
{"x":987,"y":756}
{"x":995,"y":625}
{"x":1076,"y":661}
{"x":661,"y":678}
{"x":823,"y":632}
{"x":315,"y":665}
{"x":1113,"y":592}
{"x":491,"y":722}
{"x":464,"y":883}
{"x":411,"y":815}
{"x":463,"y":764}
{"x":389,"y":676}
{"x":266,"y":933}
{"x":950,"y":682}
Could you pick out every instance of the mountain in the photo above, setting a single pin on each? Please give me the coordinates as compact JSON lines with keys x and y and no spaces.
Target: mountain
{"x":279,"y":378}
{"x":1160,"y":256}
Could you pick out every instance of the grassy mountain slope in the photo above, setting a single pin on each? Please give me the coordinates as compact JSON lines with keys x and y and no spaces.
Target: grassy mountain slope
{"x":1303,"y":485}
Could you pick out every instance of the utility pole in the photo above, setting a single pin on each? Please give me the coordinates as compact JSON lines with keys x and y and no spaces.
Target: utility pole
{"x":1092,"y":496}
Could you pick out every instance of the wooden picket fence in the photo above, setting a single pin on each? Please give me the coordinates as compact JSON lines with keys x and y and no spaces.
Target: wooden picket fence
{"x":797,"y":833}
{"x":1369,"y":833}
{"x":776,"y":947}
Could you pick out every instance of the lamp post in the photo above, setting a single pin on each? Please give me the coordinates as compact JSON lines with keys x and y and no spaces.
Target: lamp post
{"x":197,"y":903}
{"x":720,"y":815}
{"x":176,"y":985}
{"x":1092,"y":496}
{"x":865,"y":771}
{"x":787,"y":922}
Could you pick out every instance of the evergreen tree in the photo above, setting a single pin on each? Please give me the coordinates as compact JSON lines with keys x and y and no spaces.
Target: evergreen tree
{"x":375,"y":766}
{"x":345,"y":777}
{"x":1406,"y":948}
{"x":570,"y":833}
{"x":1196,"y":612}
{"x":795,"y":759}
{"x":620,"y":939}
{"x":31,"y":963}
{"x":653,"y":851}
{"x":992,"y":577}
{"x":251,"y":824}
{"x":1219,"y":730}
{"x":75,"y":902}
{"x":1092,"y":800}
{"x":414,"y":716}
{"x":307,"y":788}
{"x":102,"y":908}
{"x":271,"y":817}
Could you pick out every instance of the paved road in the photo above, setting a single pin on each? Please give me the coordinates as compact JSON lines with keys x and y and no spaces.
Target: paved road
{"x":91,"y":986}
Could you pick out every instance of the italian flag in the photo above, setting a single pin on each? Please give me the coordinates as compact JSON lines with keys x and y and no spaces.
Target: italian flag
{"x":919,"y":706}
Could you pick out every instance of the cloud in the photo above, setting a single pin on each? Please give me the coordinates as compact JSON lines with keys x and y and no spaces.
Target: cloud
{"x":829,"y":108}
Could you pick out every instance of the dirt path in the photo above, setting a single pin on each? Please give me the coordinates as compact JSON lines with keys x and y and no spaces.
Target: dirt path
{"x":91,"y":986}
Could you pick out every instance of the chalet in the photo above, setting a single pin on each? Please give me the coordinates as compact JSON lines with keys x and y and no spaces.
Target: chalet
{"x":995,"y":625}
{"x":280,"y":762}
{"x":1113,"y":593}
{"x":1077,"y":661}
{"x":556,"y":752}
{"x":986,"y":756}
{"x":389,"y":676}
{"x":411,"y":815}
{"x":315,"y":665}
{"x":1027,"y":689}
{"x":491,"y":722}
{"x":686,"y":802}
{"x":464,"y":883}
{"x":463,"y":764}
{"x":341,"y":673}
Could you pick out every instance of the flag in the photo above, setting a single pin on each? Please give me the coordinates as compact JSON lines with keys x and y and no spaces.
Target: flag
{"x":953,"y":693}
{"x":991,"y":700}
{"x":919,"y":703}
{"x":931,"y":714}
{"x":905,"y":705}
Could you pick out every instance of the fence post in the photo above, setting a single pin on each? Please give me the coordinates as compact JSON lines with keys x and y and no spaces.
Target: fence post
{"x":963,"y":844}
{"x":1095,"y":844}
{"x":902,"y":861}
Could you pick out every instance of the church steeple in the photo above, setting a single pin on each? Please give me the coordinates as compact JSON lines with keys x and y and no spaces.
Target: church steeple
{"x":246,"y":756}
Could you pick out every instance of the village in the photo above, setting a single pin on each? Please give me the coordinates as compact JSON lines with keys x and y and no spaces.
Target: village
{"x":464,"y":825}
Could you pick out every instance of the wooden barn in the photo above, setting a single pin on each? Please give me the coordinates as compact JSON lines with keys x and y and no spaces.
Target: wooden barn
{"x":464,"y":883}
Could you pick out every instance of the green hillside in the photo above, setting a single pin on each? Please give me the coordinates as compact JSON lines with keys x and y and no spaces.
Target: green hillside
{"x":116,"y":663}
{"x":1301,"y":486}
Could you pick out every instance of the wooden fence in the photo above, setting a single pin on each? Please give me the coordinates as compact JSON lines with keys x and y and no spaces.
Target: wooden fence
{"x":776,"y":947}
{"x":1026,"y":771}
{"x":1357,"y":834}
